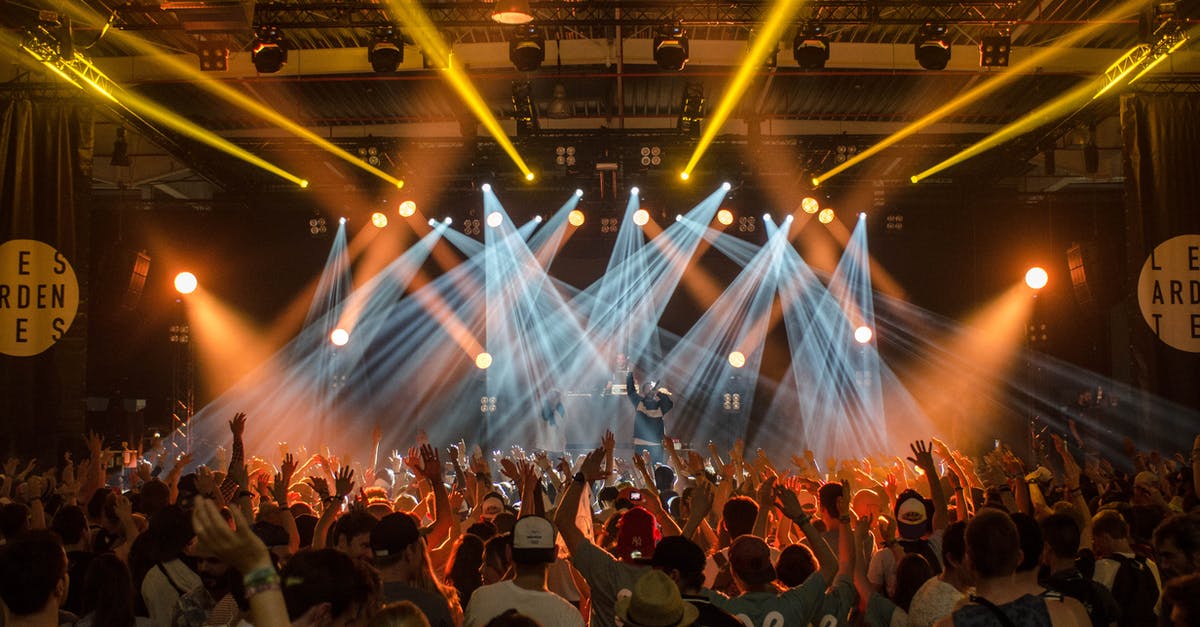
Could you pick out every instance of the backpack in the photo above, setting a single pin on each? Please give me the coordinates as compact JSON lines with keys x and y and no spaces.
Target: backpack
{"x":1136,"y":592}
{"x":925,"y":550}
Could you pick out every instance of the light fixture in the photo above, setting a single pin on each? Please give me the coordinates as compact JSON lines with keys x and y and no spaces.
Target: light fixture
{"x":579,"y":193}
{"x":691,"y":110}
{"x":1037,"y":278}
{"x":863,"y":334}
{"x":810,"y":47}
{"x":517,"y":12}
{"x":339,"y":337}
{"x":185,"y":283}
{"x":379,"y":220}
{"x":641,"y":217}
{"x":559,"y":108}
{"x":494,"y":219}
{"x":486,"y":187}
{"x":268,"y":52}
{"x":386,"y":52}
{"x":810,"y":204}
{"x":448,"y":220}
{"x":994,"y":50}
{"x":483,"y":360}
{"x":527,"y":48}
{"x":213,"y":54}
{"x":671,"y":48}
{"x":932,"y":48}
{"x":737,"y":359}
{"x":407,"y":208}
{"x":725,"y":217}
{"x":525,"y":111}
{"x":120,"y":152}
{"x":576,"y":217}
{"x":726,"y":186}
{"x":825,"y":216}
{"x":633,"y":191}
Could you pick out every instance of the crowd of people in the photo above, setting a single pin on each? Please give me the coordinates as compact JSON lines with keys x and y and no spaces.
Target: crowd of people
{"x":456,"y":536}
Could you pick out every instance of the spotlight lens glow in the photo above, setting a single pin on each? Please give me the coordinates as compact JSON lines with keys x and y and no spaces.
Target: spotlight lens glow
{"x":579,"y":193}
{"x":487,"y":187}
{"x":529,"y":176}
{"x":683,"y":176}
{"x":304,"y":184}
{"x":816,"y":181}
{"x":633,"y":191}
{"x":826,"y":216}
{"x":431,"y":222}
{"x":399,"y":184}
{"x":339,"y":337}
{"x":788,"y":218}
{"x":341,"y":220}
{"x":678,"y":217}
{"x":379,"y":220}
{"x":537,"y":218}
{"x":810,"y":205}
{"x":863,"y":334}
{"x":448,"y":220}
{"x":725,"y":217}
{"x":767,"y":217}
{"x":726,"y":186}
{"x":576,"y":217}
{"x":407,"y":208}
{"x":1037,"y":278}
{"x":641,"y":217}
{"x":483,"y":360}
{"x":494,"y":219}
{"x":737,"y":359}
{"x":862,"y":215}
{"x":185,"y":283}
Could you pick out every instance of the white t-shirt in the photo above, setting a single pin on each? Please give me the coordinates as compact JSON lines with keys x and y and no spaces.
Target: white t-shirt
{"x":934,"y":600}
{"x":161,"y":589}
{"x":882,"y":571}
{"x":1106,"y":571}
{"x":546,"y":608}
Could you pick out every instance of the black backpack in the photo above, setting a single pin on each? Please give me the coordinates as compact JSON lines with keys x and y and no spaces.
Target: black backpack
{"x":1136,"y":592}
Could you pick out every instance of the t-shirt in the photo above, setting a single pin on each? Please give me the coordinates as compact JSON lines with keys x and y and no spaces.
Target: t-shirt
{"x":546,"y":608}
{"x":435,"y":607}
{"x":933,"y":601}
{"x":882,"y":571}
{"x":835,"y":607}
{"x":609,"y":579}
{"x":162,"y":587}
{"x":797,"y":606}
{"x":710,"y":615}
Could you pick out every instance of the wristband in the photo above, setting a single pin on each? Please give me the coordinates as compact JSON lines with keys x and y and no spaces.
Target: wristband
{"x":260,"y":576}
{"x":262,"y":587}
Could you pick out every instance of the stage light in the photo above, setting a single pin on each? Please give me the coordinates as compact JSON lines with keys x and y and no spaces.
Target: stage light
{"x":379,"y":220}
{"x":448,"y":220}
{"x":725,"y":217}
{"x":678,"y":217}
{"x":766,"y":217}
{"x":483,"y":360}
{"x":432,"y":222}
{"x":1037,"y":278}
{"x":527,"y":48}
{"x":303,"y":183}
{"x":342,"y":220}
{"x":213,"y":54}
{"x":634,"y":191}
{"x":529,"y":176}
{"x":339,"y":337}
{"x":386,"y":52}
{"x":407,"y":208}
{"x":788,"y":218}
{"x":826,"y":216}
{"x":579,"y":193}
{"x":537,"y":218}
{"x":737,"y":359}
{"x":671,"y":48}
{"x":268,"y":51}
{"x":726,"y":186}
{"x":576,"y":217}
{"x":494,"y":219}
{"x":994,"y":50}
{"x":185,"y":283}
{"x":863,"y":334}
{"x":810,"y":205}
{"x":931,"y":49}
{"x":862,"y":215}
{"x":811,"y":47}
{"x":513,"y":12}
{"x":641,"y":217}
{"x":683,"y":176}
{"x":486,"y":187}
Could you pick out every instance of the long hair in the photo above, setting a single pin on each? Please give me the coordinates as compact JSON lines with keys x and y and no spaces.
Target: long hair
{"x":108,"y":592}
{"x":463,"y":570}
{"x":426,"y":580}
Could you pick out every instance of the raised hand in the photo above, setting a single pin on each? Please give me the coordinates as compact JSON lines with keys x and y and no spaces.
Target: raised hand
{"x":765,"y":490}
{"x":703,"y":495}
{"x":592,"y":467}
{"x":241,"y":549}
{"x":422,"y":437}
{"x":320,"y":486}
{"x":695,"y":464}
{"x":344,"y":481}
{"x":509,"y":469}
{"x":787,"y":503}
{"x":922,"y":456}
{"x":609,"y":442}
{"x":238,"y":425}
{"x":431,"y":464}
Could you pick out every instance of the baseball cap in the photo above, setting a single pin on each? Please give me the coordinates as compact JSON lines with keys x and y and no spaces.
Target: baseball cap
{"x":533,"y":541}
{"x":393,"y":534}
{"x":679,"y":553}
{"x":637,"y":534}
{"x":750,"y":560}
{"x":914,"y":515}
{"x":493,"y":504}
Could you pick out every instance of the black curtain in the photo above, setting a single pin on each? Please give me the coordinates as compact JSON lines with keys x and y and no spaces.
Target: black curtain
{"x":1162,"y":182}
{"x":45,"y":178}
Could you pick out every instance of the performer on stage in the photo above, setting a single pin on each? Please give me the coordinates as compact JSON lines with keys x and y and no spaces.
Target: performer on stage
{"x":651,"y":405}
{"x":551,"y":433}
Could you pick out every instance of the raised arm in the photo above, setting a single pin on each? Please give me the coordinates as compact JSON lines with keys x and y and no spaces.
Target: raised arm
{"x":568,"y":508}
{"x":789,"y":505}
{"x":249,"y":556}
{"x":923,"y":459}
{"x":235,"y":476}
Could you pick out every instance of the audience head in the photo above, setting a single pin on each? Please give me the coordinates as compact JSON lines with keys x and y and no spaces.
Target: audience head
{"x":1030,"y":533}
{"x":14,"y":519}
{"x":682,"y":560}
{"x":866,"y":502}
{"x":155,"y":496}
{"x":71,"y":525}
{"x":993,"y":544}
{"x":1110,"y":532}
{"x":463,"y":570}
{"x":750,"y":561}
{"x":400,"y":614}
{"x":512,"y":618}
{"x":396,"y":543}
{"x":33,"y":573}
{"x":664,"y":478}
{"x":795,"y":565}
{"x":738,"y":516}
{"x":351,"y":534}
{"x":493,"y":504}
{"x":107,"y":591}
{"x":1061,"y":535}
{"x":324,"y":585}
{"x":533,"y":542}
{"x":637,"y":535}
{"x":1177,"y":545}
{"x":484,"y":530}
{"x":655,"y":602}
{"x":914,"y":515}
{"x":1184,"y":595}
{"x":827,"y":498}
{"x":497,"y":557}
{"x":912,"y":572}
{"x":954,"y":546}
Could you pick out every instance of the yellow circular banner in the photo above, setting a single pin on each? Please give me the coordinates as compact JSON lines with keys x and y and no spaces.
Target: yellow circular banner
{"x":39,"y":296}
{"x":1169,"y":292}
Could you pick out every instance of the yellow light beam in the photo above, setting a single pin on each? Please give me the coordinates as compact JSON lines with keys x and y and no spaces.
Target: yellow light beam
{"x":422,"y":30}
{"x":1025,"y":66}
{"x":237,"y":98}
{"x":767,"y":39}
{"x":1184,"y":37}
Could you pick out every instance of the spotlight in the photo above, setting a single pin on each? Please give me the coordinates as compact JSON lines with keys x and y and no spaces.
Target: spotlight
{"x":339,"y":337}
{"x":386,"y":52}
{"x":120,"y":151}
{"x":316,"y":226}
{"x":726,"y":186}
{"x":811,"y":46}
{"x":788,"y":218}
{"x":683,"y":176}
{"x":576,"y":217}
{"x":537,"y":218}
{"x":185,"y":283}
{"x":516,"y":12}
{"x":304,"y":184}
{"x":766,"y":217}
{"x":725,"y":217}
{"x":483,"y":360}
{"x":810,"y":205}
{"x":651,"y":156}
{"x":432,"y":222}
{"x":994,"y":50}
{"x":579,"y":193}
{"x":863,"y":334}
{"x":268,"y":51}
{"x":641,"y":217}
{"x":407,"y":208}
{"x":448,"y":220}
{"x":529,"y":176}
{"x":671,"y":48}
{"x":634,"y":191}
{"x":527,"y":48}
{"x":213,"y":54}
{"x":678,"y":217}
{"x":342,"y":220}
{"x":1037,"y":278}
{"x":379,"y":220}
{"x":826,"y":216}
{"x":737,"y":359}
{"x":494,"y":219}
{"x":931,"y":48}
{"x":487,"y":187}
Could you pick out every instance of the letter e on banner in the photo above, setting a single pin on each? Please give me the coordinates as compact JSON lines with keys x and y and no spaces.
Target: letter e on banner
{"x":39,"y":297}
{"x":1169,"y":292}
